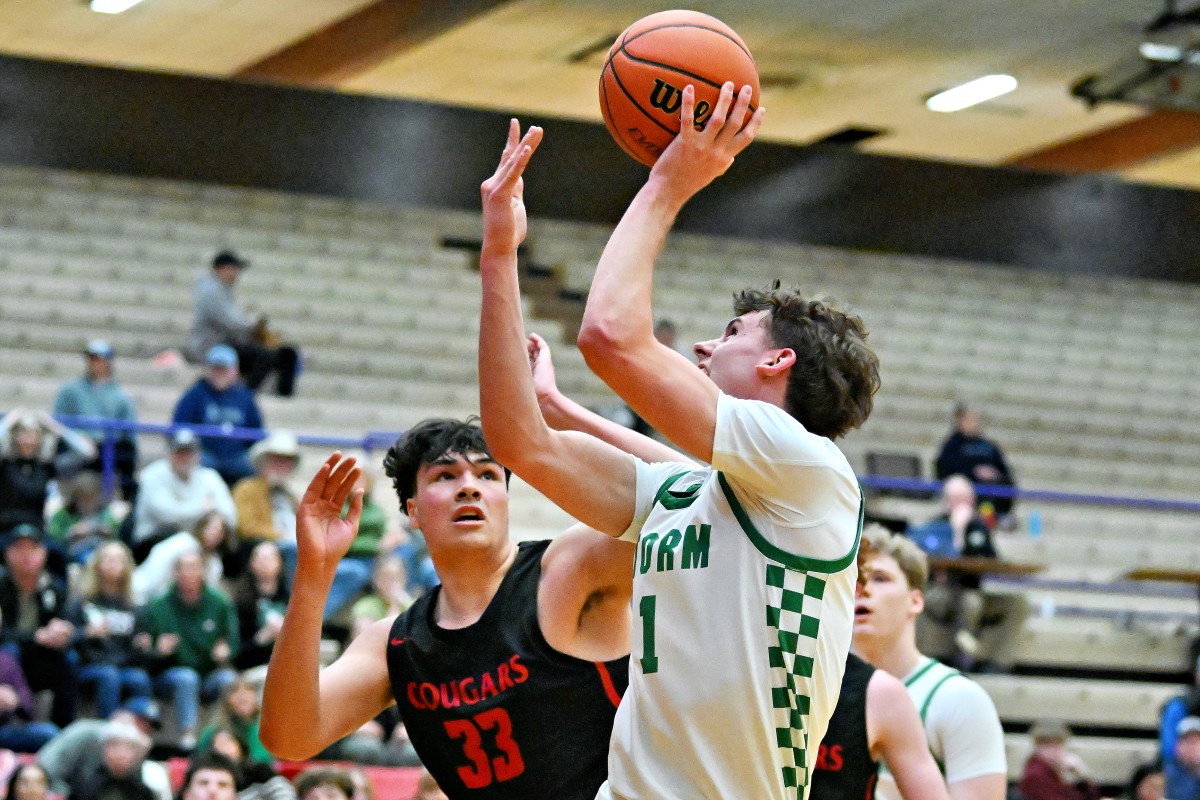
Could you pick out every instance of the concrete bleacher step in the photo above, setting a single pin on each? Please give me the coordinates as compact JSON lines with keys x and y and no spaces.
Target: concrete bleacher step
{"x":1079,"y":702}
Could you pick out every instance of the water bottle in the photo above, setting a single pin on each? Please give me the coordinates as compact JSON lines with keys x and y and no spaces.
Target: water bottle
{"x":1035,"y":524}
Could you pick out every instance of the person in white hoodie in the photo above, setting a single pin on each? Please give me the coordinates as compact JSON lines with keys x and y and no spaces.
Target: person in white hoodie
{"x":175,"y":493}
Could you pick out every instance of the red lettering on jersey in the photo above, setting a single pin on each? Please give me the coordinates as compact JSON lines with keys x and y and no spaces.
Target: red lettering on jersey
{"x":450,"y":699}
{"x":830,"y":758}
{"x":519,"y":672}
{"x":487,"y":686}
{"x":469,"y":696}
{"x":413,"y":700}
{"x":430,"y":695}
{"x":503,"y":679}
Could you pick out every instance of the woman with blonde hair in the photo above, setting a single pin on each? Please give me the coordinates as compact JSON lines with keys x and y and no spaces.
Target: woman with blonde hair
{"x":104,"y":615}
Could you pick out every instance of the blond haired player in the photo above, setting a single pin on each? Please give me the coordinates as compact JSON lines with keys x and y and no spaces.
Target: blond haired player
{"x":961,"y":723}
{"x":745,"y":577}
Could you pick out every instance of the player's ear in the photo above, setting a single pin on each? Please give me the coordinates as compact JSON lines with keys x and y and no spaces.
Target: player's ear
{"x":918,"y":601}
{"x":410,"y":508}
{"x":776,"y":362}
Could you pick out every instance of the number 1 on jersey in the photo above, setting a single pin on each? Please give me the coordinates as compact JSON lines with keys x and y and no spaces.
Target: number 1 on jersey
{"x":649,"y":661}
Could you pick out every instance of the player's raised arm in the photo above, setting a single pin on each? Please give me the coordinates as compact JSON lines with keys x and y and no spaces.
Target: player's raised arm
{"x":554,"y":462}
{"x":617,"y":337}
{"x":304,"y":708}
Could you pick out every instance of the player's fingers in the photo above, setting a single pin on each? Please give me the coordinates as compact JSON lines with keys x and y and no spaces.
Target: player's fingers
{"x":346,"y":486}
{"x":746,"y":135}
{"x":317,"y":485}
{"x":687,"y":111}
{"x":720,"y":112}
{"x":514,"y":135}
{"x":337,"y":479}
{"x":737,"y":115}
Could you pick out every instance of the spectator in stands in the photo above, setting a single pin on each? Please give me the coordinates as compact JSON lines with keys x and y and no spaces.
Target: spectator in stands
{"x":388,"y":598}
{"x":28,"y":782}
{"x":210,"y":776}
{"x":363,"y":790}
{"x":954,"y":598}
{"x":191,"y":636}
{"x":968,"y":452}
{"x":428,"y":789}
{"x":375,"y":538}
{"x":219,"y":398}
{"x":77,"y":750}
{"x":28,"y":442}
{"x":1182,"y":772}
{"x":238,"y":714}
{"x":1053,"y":771}
{"x":97,"y":394}
{"x":257,"y":780}
{"x":105,"y":618}
{"x":84,"y":521}
{"x":961,"y":722}
{"x":1183,"y":705}
{"x":324,"y":783}
{"x":219,"y":320}
{"x":266,"y":505}
{"x":33,"y":620}
{"x":18,"y":730}
{"x":118,"y":774}
{"x":210,"y":536}
{"x":261,"y":596}
{"x":175,"y":493}
{"x":1147,"y":783}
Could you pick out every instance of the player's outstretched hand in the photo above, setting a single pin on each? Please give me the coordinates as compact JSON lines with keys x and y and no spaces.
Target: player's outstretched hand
{"x":697,"y":156}
{"x":504,"y":222}
{"x":323,"y":537}
{"x":544,"y":383}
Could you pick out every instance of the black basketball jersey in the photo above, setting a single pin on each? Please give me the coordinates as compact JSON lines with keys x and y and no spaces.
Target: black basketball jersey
{"x":496,"y":713}
{"x":845,"y":770}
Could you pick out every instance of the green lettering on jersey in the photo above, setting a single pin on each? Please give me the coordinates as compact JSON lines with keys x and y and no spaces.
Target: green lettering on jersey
{"x":647,"y":545}
{"x":666,"y":550}
{"x":695,"y":547}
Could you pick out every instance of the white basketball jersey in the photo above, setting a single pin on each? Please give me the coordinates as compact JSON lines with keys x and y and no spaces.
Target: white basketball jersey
{"x":743,"y":608}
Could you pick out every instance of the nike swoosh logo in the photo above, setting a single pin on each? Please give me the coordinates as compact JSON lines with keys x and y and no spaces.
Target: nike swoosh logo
{"x":397,"y":641}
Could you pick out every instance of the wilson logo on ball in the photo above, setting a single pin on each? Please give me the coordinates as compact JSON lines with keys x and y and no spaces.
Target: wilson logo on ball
{"x":668,"y":99}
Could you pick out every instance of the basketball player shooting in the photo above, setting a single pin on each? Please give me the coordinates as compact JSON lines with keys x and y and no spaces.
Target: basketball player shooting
{"x":745,"y":579}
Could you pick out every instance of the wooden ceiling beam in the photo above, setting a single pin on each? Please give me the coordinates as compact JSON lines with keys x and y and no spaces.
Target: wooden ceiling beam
{"x":1158,"y":133}
{"x":362,"y":40}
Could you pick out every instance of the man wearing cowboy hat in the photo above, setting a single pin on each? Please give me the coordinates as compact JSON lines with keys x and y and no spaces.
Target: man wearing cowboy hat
{"x":266,"y":509}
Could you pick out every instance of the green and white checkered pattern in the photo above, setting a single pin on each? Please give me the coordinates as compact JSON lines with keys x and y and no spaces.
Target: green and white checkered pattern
{"x":794,"y":616}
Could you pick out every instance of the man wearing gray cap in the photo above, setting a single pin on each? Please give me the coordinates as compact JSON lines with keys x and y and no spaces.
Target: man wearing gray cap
{"x":175,"y":492}
{"x":97,"y":394}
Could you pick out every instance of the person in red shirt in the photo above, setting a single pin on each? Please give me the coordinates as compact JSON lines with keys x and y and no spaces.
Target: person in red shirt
{"x":1053,"y":771}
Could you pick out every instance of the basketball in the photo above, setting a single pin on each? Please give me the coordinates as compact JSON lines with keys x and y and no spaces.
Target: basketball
{"x":641,"y":87}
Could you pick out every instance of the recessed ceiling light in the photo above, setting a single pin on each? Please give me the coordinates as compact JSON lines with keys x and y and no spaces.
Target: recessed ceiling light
{"x":112,"y":6}
{"x":971,"y":93}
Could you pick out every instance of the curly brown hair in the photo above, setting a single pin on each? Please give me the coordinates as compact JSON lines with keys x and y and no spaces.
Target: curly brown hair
{"x":832,"y":385}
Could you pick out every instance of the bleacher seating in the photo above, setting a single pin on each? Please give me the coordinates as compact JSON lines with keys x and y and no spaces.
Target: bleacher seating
{"x":1088,"y":382}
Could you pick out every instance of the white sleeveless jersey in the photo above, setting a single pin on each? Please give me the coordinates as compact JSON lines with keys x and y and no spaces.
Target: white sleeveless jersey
{"x":961,"y":725}
{"x":744,"y":602}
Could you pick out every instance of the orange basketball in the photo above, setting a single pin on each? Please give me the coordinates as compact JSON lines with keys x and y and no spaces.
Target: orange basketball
{"x":641,"y":87}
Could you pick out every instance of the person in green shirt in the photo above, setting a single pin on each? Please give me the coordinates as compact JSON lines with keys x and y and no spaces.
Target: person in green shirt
{"x":191,"y":636}
{"x":238,"y":714}
{"x":374,"y":539}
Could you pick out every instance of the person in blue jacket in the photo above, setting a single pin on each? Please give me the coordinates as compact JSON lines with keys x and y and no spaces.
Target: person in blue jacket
{"x":220,"y":398}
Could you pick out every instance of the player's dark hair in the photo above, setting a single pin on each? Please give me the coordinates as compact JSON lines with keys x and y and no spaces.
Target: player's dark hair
{"x":210,"y":759}
{"x":832,"y":386}
{"x":425,"y":443}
